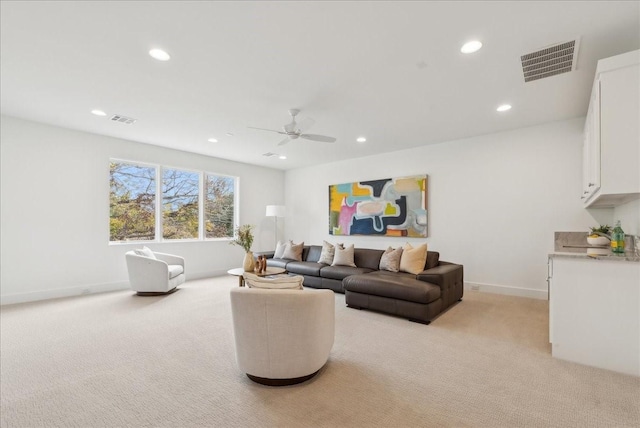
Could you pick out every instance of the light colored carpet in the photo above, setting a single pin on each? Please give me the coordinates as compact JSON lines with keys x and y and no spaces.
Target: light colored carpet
{"x":118,"y":360}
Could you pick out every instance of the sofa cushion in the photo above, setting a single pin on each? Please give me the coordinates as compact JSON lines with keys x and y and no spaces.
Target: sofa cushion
{"x":433,"y":258}
{"x":367,"y":258}
{"x":281,"y":263}
{"x":175,"y":270}
{"x":344,"y":256}
{"x":390,"y":259}
{"x":392,"y":286}
{"x":293,"y":251}
{"x":413,"y":260}
{"x":311,"y":253}
{"x":341,"y":272}
{"x":305,"y":268}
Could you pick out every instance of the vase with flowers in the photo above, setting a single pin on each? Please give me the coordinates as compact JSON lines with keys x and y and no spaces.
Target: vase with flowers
{"x":244,"y":238}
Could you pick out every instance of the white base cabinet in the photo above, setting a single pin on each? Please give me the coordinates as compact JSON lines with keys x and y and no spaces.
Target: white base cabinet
{"x":594,"y":314}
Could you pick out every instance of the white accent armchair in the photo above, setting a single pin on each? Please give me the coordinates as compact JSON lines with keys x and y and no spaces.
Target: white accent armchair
{"x":282,"y":337}
{"x":155,"y":273}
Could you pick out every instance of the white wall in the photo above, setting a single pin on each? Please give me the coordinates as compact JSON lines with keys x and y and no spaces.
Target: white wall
{"x":629,"y":216}
{"x":494,"y":201}
{"x":55,"y":211}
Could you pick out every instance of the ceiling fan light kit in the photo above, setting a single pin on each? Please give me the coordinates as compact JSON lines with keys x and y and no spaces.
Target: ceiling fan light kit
{"x":293,"y":130}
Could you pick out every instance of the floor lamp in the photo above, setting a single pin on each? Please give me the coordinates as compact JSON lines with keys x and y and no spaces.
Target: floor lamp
{"x":275,"y":211}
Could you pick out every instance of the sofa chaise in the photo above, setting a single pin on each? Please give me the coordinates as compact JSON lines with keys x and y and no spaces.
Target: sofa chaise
{"x":417,"y":297}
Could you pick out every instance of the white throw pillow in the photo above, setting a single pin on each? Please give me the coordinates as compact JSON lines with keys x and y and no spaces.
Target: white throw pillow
{"x":146,"y":252}
{"x":280,"y":246}
{"x":328,"y":251}
{"x":391,"y":259}
{"x":344,"y":257}
{"x":413,"y":259}
{"x":293,"y":251}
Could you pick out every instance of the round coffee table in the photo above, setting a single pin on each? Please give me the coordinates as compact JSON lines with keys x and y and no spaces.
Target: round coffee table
{"x":239,"y":271}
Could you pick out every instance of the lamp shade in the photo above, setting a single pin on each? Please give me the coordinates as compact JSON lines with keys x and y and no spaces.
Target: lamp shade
{"x":275,"y":211}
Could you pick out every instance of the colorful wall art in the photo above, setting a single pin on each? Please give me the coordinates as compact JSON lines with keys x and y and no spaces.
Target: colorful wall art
{"x":388,"y":207}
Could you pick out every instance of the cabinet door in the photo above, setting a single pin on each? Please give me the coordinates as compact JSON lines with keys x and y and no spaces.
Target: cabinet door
{"x":591,"y":146}
{"x":619,"y":128}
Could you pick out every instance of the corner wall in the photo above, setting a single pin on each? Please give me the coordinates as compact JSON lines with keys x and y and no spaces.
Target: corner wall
{"x":494,"y":201}
{"x":55,"y":211}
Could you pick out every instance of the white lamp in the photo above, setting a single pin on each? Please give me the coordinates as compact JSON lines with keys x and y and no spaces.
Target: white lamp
{"x":276,"y":211}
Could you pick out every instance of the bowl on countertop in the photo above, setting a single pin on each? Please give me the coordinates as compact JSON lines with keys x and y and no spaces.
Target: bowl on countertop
{"x":598,"y":241}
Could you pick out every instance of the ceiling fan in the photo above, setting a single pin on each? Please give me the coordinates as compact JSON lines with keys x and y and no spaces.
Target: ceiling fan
{"x":294,"y":130}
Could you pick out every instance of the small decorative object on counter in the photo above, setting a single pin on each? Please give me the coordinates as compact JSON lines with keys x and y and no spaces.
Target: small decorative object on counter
{"x":617,"y":239}
{"x":600,"y":236}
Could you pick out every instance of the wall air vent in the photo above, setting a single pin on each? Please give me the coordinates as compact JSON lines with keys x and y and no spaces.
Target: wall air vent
{"x":123,"y":119}
{"x":552,"y":60}
{"x":269,"y":154}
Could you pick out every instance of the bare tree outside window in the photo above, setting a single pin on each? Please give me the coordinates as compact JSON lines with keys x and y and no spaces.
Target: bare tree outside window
{"x":180,"y":191}
{"x":219,"y":206}
{"x":132,"y":202}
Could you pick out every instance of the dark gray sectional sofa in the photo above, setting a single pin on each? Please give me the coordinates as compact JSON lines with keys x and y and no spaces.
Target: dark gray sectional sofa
{"x":418,"y":297}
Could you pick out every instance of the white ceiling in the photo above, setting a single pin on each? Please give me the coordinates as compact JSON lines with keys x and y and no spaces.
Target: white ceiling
{"x":391,"y":71}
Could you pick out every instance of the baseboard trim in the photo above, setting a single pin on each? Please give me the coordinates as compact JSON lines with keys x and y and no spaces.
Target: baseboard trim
{"x":80,"y":290}
{"x":507,"y":290}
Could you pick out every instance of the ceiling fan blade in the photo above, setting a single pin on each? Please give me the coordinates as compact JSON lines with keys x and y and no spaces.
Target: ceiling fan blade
{"x":285,"y":141}
{"x":264,"y":129}
{"x":305,"y":124}
{"x":314,"y":137}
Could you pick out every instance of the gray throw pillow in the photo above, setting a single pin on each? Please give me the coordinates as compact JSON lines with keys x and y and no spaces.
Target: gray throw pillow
{"x":344,"y":257}
{"x":293,"y":251}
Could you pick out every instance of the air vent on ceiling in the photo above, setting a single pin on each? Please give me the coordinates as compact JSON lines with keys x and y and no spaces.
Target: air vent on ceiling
{"x":269,"y":154}
{"x":123,"y":119}
{"x":556,"y":59}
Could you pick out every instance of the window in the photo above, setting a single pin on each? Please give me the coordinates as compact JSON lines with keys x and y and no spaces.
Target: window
{"x":190,"y":204}
{"x":180,"y":192}
{"x":219,"y":206}
{"x":132,"y":202}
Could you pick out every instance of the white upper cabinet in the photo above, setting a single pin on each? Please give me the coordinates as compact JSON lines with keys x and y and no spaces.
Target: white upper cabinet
{"x":611,"y":170}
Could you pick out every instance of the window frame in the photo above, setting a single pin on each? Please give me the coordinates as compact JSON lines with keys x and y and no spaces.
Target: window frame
{"x":236,"y":206}
{"x":159,"y":197}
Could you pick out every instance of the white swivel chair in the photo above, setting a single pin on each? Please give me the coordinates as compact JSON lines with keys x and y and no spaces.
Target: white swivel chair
{"x":152,"y":274}
{"x":282,"y":336}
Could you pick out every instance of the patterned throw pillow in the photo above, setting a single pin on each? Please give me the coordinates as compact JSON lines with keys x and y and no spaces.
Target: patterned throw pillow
{"x":413,"y":259}
{"x":391,"y":259}
{"x":293,"y":251}
{"x":328,"y":251}
{"x":344,"y":257}
{"x":280,"y":246}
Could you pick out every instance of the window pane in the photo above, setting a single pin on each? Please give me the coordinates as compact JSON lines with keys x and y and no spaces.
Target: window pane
{"x":218,"y":206}
{"x":180,"y":191}
{"x":132,"y":201}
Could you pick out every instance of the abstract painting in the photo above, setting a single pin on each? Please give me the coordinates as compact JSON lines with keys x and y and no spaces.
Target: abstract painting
{"x":388,"y":207}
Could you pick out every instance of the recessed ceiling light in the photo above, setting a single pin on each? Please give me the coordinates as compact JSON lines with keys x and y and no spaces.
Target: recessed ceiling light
{"x":471,"y":47}
{"x":159,"y":54}
{"x":229,"y":134}
{"x":98,"y":112}
{"x":504,"y":107}
{"x":282,"y":157}
{"x":361,"y":139}
{"x":212,"y":140}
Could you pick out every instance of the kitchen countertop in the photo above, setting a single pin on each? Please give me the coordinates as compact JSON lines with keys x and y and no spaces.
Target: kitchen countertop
{"x":626,"y":257}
